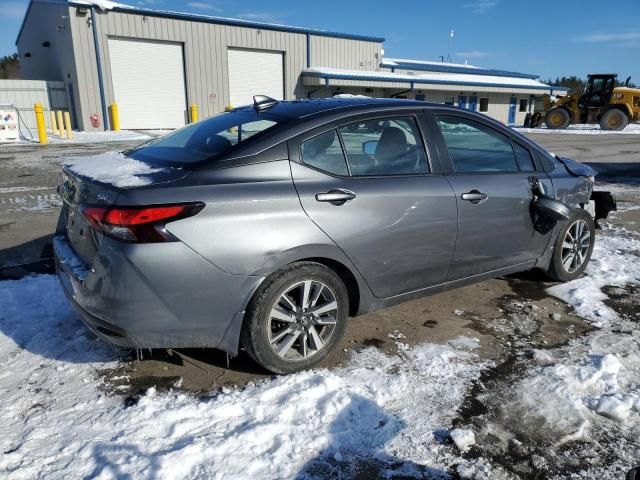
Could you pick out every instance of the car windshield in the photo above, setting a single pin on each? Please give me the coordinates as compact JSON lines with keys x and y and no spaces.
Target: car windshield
{"x":207,"y":139}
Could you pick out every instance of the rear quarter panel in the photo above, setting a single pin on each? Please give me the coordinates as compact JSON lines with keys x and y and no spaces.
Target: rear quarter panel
{"x":252,"y":223}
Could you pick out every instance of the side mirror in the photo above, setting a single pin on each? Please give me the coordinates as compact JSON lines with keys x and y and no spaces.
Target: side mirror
{"x":552,"y":209}
{"x":370,"y":147}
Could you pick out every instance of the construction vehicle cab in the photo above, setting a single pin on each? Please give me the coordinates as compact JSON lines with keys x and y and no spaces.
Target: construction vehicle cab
{"x":601,"y":102}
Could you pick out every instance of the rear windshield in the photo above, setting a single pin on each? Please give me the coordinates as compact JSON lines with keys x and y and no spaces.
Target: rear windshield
{"x":206,"y":140}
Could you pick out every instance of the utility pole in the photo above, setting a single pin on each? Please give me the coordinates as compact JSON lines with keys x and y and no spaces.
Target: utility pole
{"x":450,"y":44}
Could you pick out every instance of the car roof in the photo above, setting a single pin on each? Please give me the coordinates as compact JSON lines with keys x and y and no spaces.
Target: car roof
{"x":314,"y":106}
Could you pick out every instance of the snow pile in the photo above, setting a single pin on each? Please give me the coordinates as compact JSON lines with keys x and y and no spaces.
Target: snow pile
{"x":583,"y":129}
{"x":349,"y":95}
{"x":560,"y":402}
{"x":615,"y":262}
{"x":103,"y":137}
{"x":113,"y":168}
{"x":58,"y":424}
{"x":102,"y":4}
{"x":587,"y":390}
{"x":463,"y":438}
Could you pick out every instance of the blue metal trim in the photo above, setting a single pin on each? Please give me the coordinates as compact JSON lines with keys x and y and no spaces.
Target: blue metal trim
{"x":452,"y":69}
{"x":238,"y":23}
{"x":308,"y":50}
{"x":96,"y":44}
{"x":404,"y":80}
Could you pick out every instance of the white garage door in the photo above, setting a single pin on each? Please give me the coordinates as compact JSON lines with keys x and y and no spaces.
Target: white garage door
{"x":255,"y":72}
{"x":148,"y":83}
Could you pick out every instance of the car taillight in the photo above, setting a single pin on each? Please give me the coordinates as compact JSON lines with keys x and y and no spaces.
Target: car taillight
{"x":144,"y":224}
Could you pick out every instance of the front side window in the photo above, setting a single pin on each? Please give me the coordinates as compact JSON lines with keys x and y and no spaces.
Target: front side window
{"x":525,"y":162}
{"x":384,"y":147}
{"x":476,"y":148}
{"x":324,"y":152}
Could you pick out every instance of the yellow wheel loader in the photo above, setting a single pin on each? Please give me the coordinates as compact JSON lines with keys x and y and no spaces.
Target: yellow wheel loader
{"x":601,"y":102}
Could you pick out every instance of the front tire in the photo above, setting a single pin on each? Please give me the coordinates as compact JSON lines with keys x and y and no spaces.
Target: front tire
{"x":557,"y":119}
{"x":296,"y":318}
{"x":573,"y":247}
{"x":614,"y":119}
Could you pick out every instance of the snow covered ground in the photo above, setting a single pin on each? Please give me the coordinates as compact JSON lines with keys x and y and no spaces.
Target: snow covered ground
{"x":94,"y":137}
{"x":58,"y":423}
{"x":577,"y":405}
{"x":574,"y":408}
{"x":582,"y":129}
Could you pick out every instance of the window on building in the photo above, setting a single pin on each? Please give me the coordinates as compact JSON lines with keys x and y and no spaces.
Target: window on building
{"x":476,"y":148}
{"x":524,"y":104}
{"x":449,"y":100}
{"x":523,"y":156}
{"x":384,"y":147}
{"x":484,"y":104}
{"x":324,"y":152}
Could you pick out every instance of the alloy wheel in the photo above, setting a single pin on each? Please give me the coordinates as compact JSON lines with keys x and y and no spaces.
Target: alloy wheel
{"x":575,"y":246}
{"x":302,"y":320}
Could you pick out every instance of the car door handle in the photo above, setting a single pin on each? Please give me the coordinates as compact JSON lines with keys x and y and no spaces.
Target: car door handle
{"x":475,"y":196}
{"x":337,"y":196}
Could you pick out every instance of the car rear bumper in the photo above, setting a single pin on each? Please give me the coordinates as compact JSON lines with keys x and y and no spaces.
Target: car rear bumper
{"x":155,"y":295}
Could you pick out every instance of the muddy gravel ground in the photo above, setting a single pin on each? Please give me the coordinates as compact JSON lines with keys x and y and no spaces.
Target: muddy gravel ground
{"x":512,"y":316}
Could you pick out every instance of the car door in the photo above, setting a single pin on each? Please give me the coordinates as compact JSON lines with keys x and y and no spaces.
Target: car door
{"x":490,"y":177}
{"x":369,"y":187}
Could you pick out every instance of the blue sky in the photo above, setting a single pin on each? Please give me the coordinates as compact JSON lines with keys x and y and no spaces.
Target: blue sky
{"x":549,"y":38}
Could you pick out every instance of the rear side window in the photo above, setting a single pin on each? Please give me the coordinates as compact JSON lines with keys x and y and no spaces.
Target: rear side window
{"x":525,"y":162}
{"x":325,"y":153}
{"x":476,"y":148}
{"x":384,"y":147}
{"x":207,"y":139}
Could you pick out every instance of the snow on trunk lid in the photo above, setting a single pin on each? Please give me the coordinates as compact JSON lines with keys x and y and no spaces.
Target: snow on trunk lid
{"x":113,"y":168}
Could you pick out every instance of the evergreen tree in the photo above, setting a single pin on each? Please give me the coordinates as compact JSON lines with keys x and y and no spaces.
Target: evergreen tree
{"x":9,"y":67}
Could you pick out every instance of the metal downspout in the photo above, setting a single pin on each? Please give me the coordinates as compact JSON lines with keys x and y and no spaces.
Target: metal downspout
{"x":96,"y":44}
{"x":393,"y":95}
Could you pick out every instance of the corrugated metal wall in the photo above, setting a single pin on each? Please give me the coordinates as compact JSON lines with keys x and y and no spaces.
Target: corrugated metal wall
{"x":205,"y":55}
{"x":344,"y":53}
{"x":23,"y":94}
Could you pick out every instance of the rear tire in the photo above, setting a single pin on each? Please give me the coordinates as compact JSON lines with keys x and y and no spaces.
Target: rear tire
{"x":573,"y":247}
{"x":614,"y":119}
{"x":557,"y":119}
{"x":296,"y":318}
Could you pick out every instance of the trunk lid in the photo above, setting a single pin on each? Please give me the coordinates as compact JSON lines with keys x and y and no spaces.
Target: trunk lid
{"x":98,"y":181}
{"x":76,"y":191}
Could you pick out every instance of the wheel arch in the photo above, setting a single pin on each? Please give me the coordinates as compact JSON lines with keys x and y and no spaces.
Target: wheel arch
{"x":623,"y":107}
{"x":346,"y":275}
{"x":329,"y":255}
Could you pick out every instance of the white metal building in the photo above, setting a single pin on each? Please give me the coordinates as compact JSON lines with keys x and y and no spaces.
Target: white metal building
{"x":154,"y":64}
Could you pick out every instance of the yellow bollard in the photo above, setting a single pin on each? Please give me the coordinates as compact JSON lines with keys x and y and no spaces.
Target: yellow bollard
{"x":60,"y":122}
{"x":42,"y":131}
{"x":193,"y":113}
{"x":67,"y":125}
{"x":54,"y":124}
{"x":115,"y":117}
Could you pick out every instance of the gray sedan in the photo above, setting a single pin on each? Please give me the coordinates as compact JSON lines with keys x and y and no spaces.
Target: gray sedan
{"x":266,"y":227}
